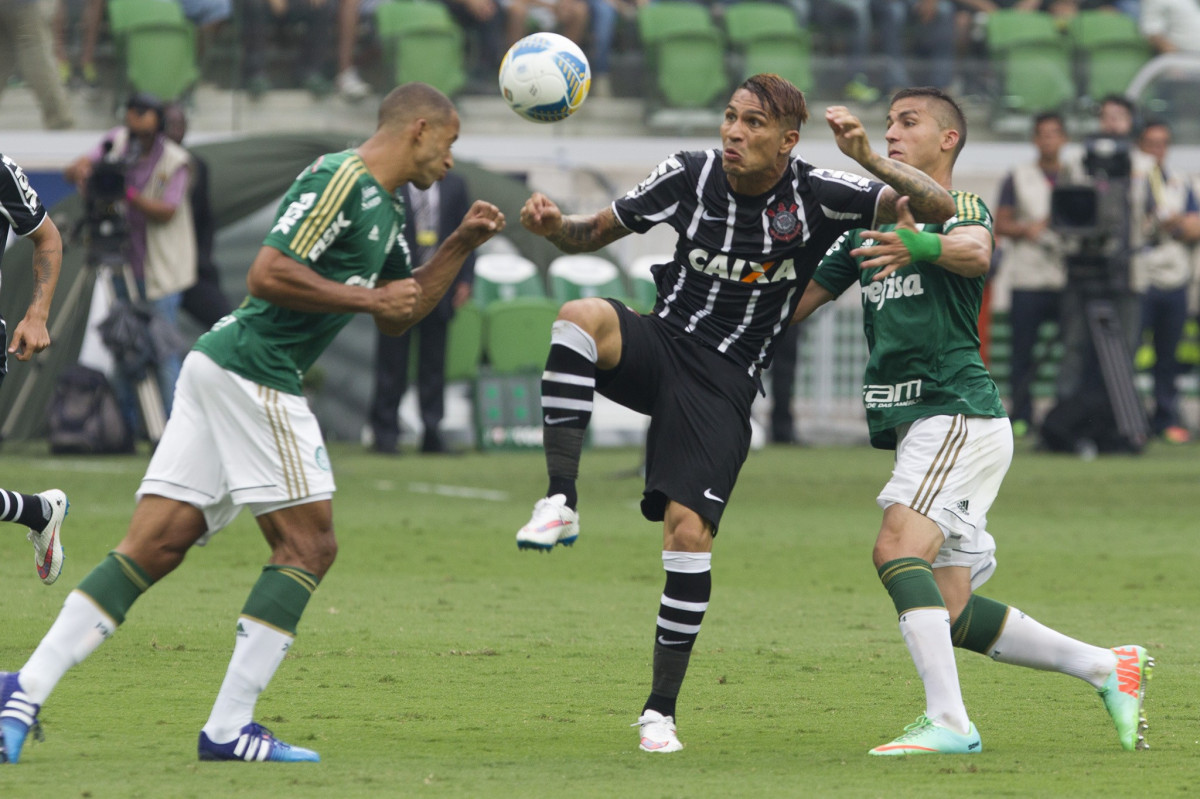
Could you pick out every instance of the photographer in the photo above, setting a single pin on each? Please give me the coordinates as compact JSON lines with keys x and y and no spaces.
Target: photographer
{"x":1169,"y":223}
{"x":160,"y":245}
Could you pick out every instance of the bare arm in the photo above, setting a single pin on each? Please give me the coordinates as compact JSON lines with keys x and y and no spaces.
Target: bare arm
{"x":571,"y":234}
{"x":285,"y":282}
{"x":815,"y":295}
{"x":31,"y":335}
{"x":966,"y":250}
{"x":928,"y":200}
{"x":435,"y":277}
{"x":155,"y":210}
{"x":1006,"y":224}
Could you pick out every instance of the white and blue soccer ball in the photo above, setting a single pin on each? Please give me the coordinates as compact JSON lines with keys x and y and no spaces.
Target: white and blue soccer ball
{"x":545,"y":77}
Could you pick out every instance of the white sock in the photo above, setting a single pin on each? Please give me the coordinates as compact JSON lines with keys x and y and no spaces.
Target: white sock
{"x":80,"y":627}
{"x":927,"y":635}
{"x":256,"y":655}
{"x":1025,"y":642}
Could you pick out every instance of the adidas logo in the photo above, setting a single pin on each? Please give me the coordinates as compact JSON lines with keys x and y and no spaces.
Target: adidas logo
{"x":241,"y":631}
{"x":962,"y":506}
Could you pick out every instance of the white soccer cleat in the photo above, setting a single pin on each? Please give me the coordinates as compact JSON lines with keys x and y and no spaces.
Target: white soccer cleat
{"x":658,"y":732}
{"x":47,"y":544}
{"x":552,"y":523}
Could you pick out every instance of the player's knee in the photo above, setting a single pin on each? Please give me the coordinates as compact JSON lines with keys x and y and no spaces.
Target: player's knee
{"x":323,"y":553}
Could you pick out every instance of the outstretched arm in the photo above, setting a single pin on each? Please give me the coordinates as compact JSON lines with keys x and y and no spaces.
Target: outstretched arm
{"x":965,"y":250}
{"x":815,"y":295}
{"x":31,"y":335}
{"x":928,"y":200}
{"x":571,"y":234}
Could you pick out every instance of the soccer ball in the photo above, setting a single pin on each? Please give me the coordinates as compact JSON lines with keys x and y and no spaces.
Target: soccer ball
{"x":545,"y":77}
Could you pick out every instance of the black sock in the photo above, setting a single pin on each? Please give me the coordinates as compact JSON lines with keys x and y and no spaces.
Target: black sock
{"x":568,"y":388}
{"x":27,"y":509}
{"x":680,"y":612}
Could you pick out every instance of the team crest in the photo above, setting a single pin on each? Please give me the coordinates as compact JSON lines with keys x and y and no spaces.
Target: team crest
{"x":785,"y":225}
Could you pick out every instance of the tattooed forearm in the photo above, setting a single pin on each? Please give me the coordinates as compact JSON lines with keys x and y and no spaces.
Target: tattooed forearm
{"x":928,"y":201}
{"x":46,"y":262}
{"x":587,"y":233}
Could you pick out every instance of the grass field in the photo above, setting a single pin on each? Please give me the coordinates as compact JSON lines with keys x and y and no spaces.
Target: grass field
{"x":438,"y":660}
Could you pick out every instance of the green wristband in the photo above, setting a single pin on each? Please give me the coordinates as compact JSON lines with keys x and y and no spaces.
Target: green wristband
{"x":921,"y":246}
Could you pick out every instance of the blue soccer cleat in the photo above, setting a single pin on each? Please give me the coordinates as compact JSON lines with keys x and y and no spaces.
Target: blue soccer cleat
{"x":18,"y":716}
{"x":255,"y":743}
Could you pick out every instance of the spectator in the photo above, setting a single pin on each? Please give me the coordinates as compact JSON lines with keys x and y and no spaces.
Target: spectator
{"x":158,"y":213}
{"x":568,"y":17}
{"x":204,"y":302}
{"x":1171,"y":25}
{"x":348,"y":82}
{"x":436,"y":213}
{"x":26,"y":45}
{"x":313,"y":56}
{"x":1032,"y":261}
{"x":89,"y":28}
{"x":783,"y":386}
{"x":483,"y":22}
{"x":1170,"y":224}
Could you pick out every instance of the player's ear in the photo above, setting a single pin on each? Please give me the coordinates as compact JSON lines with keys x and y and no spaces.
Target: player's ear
{"x":950,"y":138}
{"x":790,"y":139}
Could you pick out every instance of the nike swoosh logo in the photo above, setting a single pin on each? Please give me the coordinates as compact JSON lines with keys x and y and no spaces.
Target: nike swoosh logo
{"x":559,"y":419}
{"x":665,"y":642}
{"x":708,"y":494}
{"x":43,"y":568}
{"x":706,"y":216}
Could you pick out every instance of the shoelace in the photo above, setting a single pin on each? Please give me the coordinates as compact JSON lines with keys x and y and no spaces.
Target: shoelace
{"x":915,"y":729}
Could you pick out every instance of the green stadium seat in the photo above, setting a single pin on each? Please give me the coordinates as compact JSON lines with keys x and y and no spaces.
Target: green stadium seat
{"x":464,"y":343}
{"x":505,"y":276}
{"x":427,"y":44}
{"x":686,"y":53}
{"x":156,"y":45}
{"x":517,"y":333}
{"x":1032,"y":60}
{"x":1110,"y":49}
{"x":641,"y":280}
{"x":574,"y":277}
{"x":770,"y":39}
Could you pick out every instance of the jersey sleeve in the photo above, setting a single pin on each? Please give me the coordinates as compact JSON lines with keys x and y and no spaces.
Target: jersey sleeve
{"x":838,"y":271}
{"x":18,"y":200}
{"x":845,"y":197}
{"x":655,"y":199}
{"x":311,"y":217}
{"x":968,"y":210}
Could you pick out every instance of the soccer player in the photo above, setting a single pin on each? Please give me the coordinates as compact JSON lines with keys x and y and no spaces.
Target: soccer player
{"x":753,"y":222}
{"x":22,"y":212}
{"x":929,"y":397}
{"x":241,"y":432}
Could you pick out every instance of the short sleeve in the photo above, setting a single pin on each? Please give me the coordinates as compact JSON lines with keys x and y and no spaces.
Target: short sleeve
{"x":310,"y":211}
{"x":655,"y":199}
{"x":838,"y":270}
{"x":18,"y":199}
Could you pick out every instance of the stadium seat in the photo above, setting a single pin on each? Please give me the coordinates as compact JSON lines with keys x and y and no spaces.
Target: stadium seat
{"x":503,"y":276}
{"x":686,"y":53}
{"x":464,"y":343}
{"x":644,"y":292}
{"x":427,"y":44}
{"x":517,"y":333}
{"x":770,"y":39}
{"x":573,"y":277}
{"x":157,"y":46}
{"x":1032,"y":60}
{"x":1110,"y":49}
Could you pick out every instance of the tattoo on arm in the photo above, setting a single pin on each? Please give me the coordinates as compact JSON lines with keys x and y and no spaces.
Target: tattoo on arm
{"x":588,"y":233}
{"x":43,"y":271}
{"x":927,"y":200}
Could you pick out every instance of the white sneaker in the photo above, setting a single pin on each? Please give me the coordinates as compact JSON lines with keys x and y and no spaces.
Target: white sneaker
{"x":351,"y":85}
{"x":552,"y":523}
{"x":47,"y":545}
{"x":658,"y":732}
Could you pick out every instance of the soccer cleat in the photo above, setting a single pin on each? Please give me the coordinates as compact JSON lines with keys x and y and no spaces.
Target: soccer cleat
{"x":255,"y":743}
{"x":47,"y":544}
{"x":17,"y":717}
{"x":658,"y":732}
{"x":924,"y":737}
{"x":552,"y":523}
{"x":1124,"y":695}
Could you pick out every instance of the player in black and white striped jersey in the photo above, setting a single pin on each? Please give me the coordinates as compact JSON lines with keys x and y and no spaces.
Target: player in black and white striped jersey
{"x":753,"y":222}
{"x":22,"y":214}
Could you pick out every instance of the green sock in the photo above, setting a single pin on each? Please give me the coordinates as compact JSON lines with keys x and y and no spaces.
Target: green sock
{"x":910,"y":583}
{"x":115,"y":585}
{"x":979,"y":624}
{"x":279,"y":597}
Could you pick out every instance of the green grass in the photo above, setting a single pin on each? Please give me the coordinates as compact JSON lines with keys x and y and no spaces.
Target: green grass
{"x":438,"y":660}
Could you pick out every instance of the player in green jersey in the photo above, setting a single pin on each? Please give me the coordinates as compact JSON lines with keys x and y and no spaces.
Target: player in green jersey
{"x":241,"y":433}
{"x":929,"y":396}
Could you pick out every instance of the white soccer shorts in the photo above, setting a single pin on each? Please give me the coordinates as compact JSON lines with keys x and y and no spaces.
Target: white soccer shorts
{"x":949,"y":469}
{"x":231,"y":442}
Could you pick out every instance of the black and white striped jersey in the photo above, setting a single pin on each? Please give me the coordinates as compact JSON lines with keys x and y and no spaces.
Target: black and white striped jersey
{"x":741,"y":263}
{"x":21,"y":210}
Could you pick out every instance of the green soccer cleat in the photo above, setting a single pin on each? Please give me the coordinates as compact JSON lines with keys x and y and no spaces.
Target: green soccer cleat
{"x":1124,"y":695}
{"x":924,"y":737}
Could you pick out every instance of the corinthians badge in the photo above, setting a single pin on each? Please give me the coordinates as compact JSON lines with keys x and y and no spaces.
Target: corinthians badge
{"x":785,"y":225}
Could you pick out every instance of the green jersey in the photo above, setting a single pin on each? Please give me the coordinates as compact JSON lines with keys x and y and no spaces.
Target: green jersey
{"x":921,"y":324}
{"x":338,"y":220}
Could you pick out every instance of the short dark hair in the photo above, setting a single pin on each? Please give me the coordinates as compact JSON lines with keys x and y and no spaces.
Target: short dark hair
{"x":952,"y":118}
{"x":1121,"y":100}
{"x":1153,"y":122}
{"x":783,"y":101}
{"x":412,"y":101}
{"x":1048,"y":116}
